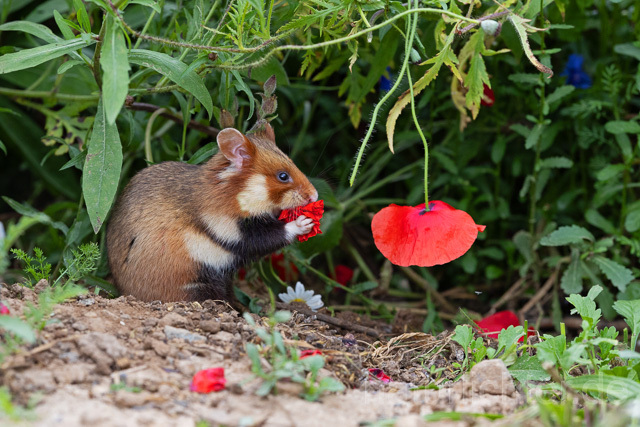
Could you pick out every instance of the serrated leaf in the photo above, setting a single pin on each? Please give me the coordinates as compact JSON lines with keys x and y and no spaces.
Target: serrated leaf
{"x":101,"y":172}
{"x":630,"y":310}
{"x":28,"y":58}
{"x":614,"y":386}
{"x":566,"y":236}
{"x":176,"y":71}
{"x":551,"y":349}
{"x":477,"y":75}
{"x":556,"y":162}
{"x":571,"y":281}
{"x":528,"y":368}
{"x":463,"y":336}
{"x":509,"y":337}
{"x":622,"y":126}
{"x":18,"y":327}
{"x":534,"y":136}
{"x":519,"y":24}
{"x":586,"y":306}
{"x":115,"y":67}
{"x":418,"y":86}
{"x":619,"y":275}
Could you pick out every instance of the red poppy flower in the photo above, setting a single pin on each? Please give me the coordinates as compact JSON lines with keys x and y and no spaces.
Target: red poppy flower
{"x":488,"y":97}
{"x":313,"y":210}
{"x":310,"y":352}
{"x":208,"y":380}
{"x":411,"y":235}
{"x":379,"y":375}
{"x":286,"y":271}
{"x":342,"y":274}
{"x":491,"y":326}
{"x":4,"y":310}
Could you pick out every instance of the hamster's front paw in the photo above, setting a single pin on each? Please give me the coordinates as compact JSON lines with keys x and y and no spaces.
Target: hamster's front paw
{"x":302,"y":225}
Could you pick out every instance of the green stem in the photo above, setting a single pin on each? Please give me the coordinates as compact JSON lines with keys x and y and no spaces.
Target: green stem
{"x":269,"y":16}
{"x":145,"y":28}
{"x":98,"y":51}
{"x":415,"y":120}
{"x":147,"y":134}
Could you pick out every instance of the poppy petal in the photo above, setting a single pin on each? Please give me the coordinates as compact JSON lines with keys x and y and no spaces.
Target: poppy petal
{"x":313,"y":210}
{"x":410,"y":235}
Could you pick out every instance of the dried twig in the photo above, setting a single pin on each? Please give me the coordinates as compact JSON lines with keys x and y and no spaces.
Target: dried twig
{"x":540,"y":294}
{"x":420,"y":281}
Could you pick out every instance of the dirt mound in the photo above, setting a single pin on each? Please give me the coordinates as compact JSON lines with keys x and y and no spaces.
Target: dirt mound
{"x":123,"y":362}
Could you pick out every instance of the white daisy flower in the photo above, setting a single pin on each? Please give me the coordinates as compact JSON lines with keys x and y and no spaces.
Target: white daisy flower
{"x":301,"y":295}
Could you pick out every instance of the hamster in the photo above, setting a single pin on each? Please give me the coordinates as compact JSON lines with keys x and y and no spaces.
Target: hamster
{"x":179,"y":231}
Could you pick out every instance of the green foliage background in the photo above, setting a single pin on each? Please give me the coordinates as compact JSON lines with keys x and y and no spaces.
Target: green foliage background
{"x":550,"y":169}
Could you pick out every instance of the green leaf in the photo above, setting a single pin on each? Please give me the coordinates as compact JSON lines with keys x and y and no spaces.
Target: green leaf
{"x":630,"y":310}
{"x":204,"y":153}
{"x":594,"y":218}
{"x":364,"y":286}
{"x":586,"y":306}
{"x":534,"y":136}
{"x":619,"y":275}
{"x":18,"y":327}
{"x":442,"y":57}
{"x":149,"y":3}
{"x":477,"y":76}
{"x":40,"y":217}
{"x":29,"y":58}
{"x":115,"y":70}
{"x":463,"y":335}
{"x":629,"y":49}
{"x":176,"y":71}
{"x":331,"y":227}
{"x":632,"y":221}
{"x":566,"y":236}
{"x":610,"y":171}
{"x":559,"y":93}
{"x":571,"y":281}
{"x":32,"y":28}
{"x":509,"y":337}
{"x":556,"y":162}
{"x":66,"y":66}
{"x":330,"y":384}
{"x":83,"y":17}
{"x":621,"y":126}
{"x":101,"y":172}
{"x":520,"y":25}
{"x":614,"y":386}
{"x":64,"y":26}
{"x":551,"y":349}
{"x":528,"y":368}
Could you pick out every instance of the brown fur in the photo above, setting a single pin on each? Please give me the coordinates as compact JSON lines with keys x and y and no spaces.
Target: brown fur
{"x":146,"y":233}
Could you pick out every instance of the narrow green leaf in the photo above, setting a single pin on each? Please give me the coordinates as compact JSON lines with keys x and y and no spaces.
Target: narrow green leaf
{"x":101,"y":172}
{"x":18,"y":327}
{"x":149,"y":3}
{"x":32,"y":28}
{"x":566,"y":236}
{"x":556,"y":162}
{"x":622,"y":126}
{"x":619,"y":275}
{"x":630,"y":310}
{"x":609,"y":172}
{"x":629,"y":49}
{"x":534,"y":136}
{"x":571,"y":281}
{"x":520,"y":26}
{"x":560,"y":93}
{"x":40,"y":217}
{"x":115,"y":67}
{"x":29,"y":58}
{"x":83,"y":17}
{"x":615,"y":387}
{"x":595,"y":218}
{"x":176,"y":71}
{"x":64,"y":26}
{"x":66,"y":66}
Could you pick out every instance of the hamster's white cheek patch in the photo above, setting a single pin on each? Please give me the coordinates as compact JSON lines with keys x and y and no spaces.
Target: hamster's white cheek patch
{"x":254,"y":198}
{"x":224,"y":227}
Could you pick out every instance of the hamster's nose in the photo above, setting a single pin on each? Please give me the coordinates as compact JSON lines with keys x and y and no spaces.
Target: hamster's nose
{"x":314,"y":197}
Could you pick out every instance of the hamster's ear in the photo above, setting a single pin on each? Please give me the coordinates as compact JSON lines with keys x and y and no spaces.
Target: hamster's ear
{"x":235,"y":147}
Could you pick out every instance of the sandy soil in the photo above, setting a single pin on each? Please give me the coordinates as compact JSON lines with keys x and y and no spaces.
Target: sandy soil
{"x":123,"y":362}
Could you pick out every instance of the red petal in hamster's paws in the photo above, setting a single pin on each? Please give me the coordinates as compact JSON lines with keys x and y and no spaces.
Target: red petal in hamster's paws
{"x":313,"y":211}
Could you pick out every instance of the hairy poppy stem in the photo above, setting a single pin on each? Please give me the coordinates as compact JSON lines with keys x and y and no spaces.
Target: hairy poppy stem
{"x":412,"y":32}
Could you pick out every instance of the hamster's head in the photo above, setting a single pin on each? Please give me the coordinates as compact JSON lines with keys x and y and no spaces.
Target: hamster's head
{"x":268,"y":181}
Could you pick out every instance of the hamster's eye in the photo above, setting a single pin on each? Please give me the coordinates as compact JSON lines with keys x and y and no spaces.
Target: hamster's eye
{"x":283,"y":177}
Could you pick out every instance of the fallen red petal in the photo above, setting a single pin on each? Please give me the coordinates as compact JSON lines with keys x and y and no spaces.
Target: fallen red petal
{"x":286,"y":271}
{"x":379,"y":375}
{"x":4,"y":310}
{"x":410,"y":235}
{"x":208,"y":380}
{"x":313,"y":210}
{"x":491,"y":326}
{"x":310,"y":352}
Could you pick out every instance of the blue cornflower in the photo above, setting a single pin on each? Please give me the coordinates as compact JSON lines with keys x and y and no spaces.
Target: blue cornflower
{"x":575,"y":74}
{"x":385,"y":82}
